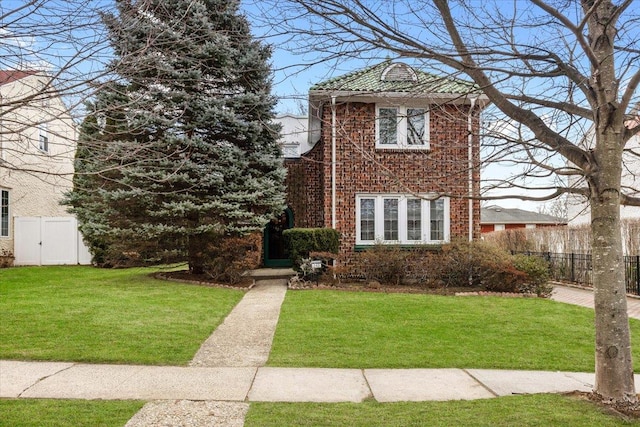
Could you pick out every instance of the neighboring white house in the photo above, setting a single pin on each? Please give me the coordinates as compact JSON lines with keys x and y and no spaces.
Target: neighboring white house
{"x":37,"y":149}
{"x":294,"y":135}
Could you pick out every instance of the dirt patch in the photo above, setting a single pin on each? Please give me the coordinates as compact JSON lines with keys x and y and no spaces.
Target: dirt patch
{"x":626,"y":411}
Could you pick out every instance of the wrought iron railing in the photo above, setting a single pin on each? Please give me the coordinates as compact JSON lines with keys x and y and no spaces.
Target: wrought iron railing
{"x":578,"y":268}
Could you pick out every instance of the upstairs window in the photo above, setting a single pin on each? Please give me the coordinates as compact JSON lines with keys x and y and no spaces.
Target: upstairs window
{"x":401,"y":219}
{"x":4,"y":213}
{"x":43,"y":138}
{"x":2,"y":150}
{"x":402,"y":127}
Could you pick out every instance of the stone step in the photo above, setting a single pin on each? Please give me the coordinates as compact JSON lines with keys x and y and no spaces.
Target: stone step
{"x":272,"y":273}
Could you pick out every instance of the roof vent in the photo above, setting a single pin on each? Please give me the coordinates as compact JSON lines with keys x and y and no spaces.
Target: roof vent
{"x":399,"y":73}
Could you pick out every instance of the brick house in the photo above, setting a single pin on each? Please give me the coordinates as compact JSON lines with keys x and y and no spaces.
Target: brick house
{"x":394,"y":159}
{"x":497,"y":218}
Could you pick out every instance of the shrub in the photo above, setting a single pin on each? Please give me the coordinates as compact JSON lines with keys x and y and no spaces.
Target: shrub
{"x":302,"y":241}
{"x":510,"y":240}
{"x":228,"y":258}
{"x":470,"y":263}
{"x":395,"y":265}
{"x":482,"y":265}
{"x":425,"y":267}
{"x":502,"y":276}
{"x":460,"y":264}
{"x":6,"y":258}
{"x":537,"y":271}
{"x":382,"y":263}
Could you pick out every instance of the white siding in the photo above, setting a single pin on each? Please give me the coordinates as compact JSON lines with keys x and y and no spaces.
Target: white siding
{"x":36,"y":180}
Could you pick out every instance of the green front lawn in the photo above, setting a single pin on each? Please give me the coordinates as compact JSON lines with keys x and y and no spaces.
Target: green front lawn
{"x":85,"y":314}
{"x":375,"y":330}
{"x":534,"y":410}
{"x":66,"y":413}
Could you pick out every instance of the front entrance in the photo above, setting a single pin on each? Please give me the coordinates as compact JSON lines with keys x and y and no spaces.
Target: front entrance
{"x":276,"y":253}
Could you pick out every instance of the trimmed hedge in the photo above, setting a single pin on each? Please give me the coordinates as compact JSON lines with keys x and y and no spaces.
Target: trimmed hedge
{"x":302,"y":241}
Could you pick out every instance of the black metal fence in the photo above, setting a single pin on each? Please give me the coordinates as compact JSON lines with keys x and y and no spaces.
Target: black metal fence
{"x":578,"y":268}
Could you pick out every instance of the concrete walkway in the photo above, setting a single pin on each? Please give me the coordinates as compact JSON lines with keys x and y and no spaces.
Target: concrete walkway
{"x":228,"y":372}
{"x":245,"y":336}
{"x":584,"y":298}
{"x":218,"y":395}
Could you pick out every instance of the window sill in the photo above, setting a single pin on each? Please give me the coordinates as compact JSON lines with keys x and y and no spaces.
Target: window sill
{"x":401,"y":148}
{"x":404,"y":247}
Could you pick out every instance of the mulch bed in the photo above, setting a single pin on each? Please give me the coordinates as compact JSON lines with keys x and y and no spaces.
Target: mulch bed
{"x":405,"y":289}
{"x":184,"y":276}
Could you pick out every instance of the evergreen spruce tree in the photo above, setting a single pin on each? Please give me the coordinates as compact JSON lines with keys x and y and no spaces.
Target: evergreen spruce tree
{"x":179,"y":150}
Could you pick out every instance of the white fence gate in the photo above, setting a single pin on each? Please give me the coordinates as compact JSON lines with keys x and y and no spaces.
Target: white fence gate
{"x":48,"y":241}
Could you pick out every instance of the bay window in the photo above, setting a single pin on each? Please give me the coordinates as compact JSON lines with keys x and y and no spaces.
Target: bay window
{"x":401,"y":219}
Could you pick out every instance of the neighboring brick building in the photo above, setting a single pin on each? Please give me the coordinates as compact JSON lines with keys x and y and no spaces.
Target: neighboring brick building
{"x":496,"y":218}
{"x":395,"y":158}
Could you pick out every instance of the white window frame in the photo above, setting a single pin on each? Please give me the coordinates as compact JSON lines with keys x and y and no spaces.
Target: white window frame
{"x":290,"y":151}
{"x":43,"y":133}
{"x":402,"y":123}
{"x":425,"y":219}
{"x":8,"y":233}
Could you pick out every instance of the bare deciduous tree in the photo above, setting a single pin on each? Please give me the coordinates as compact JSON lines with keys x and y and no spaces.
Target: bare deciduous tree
{"x":51,"y":51}
{"x":563,"y":79}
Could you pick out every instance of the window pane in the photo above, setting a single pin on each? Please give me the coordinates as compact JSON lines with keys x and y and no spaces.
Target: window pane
{"x":416,"y":126}
{"x":390,"y":219}
{"x":437,"y":219}
{"x":44,"y":143}
{"x":414,"y":223}
{"x":388,"y":125}
{"x":4,"y":213}
{"x":367,"y":219}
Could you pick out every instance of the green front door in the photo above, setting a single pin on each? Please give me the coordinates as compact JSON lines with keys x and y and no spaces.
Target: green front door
{"x":276,"y":254}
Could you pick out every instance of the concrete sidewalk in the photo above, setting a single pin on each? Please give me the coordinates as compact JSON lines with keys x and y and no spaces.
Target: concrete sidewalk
{"x":264,"y":384}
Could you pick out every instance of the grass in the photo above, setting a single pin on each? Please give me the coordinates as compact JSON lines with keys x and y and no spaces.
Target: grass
{"x":66,"y":413}
{"x":533,"y":410}
{"x":84,"y":314}
{"x":373,"y":330}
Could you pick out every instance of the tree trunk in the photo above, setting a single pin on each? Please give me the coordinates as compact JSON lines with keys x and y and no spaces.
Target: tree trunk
{"x":614,"y":367}
{"x":196,"y":253}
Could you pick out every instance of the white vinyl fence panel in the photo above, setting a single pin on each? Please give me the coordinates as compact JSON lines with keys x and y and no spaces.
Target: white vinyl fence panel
{"x":48,"y":241}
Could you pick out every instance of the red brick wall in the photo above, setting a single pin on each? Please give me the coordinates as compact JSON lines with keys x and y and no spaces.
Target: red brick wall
{"x":514,"y":226}
{"x":487,"y":228}
{"x":304,"y":188}
{"x":361,"y":168}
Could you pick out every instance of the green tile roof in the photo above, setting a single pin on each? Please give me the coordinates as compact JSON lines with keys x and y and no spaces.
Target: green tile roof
{"x":370,"y":80}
